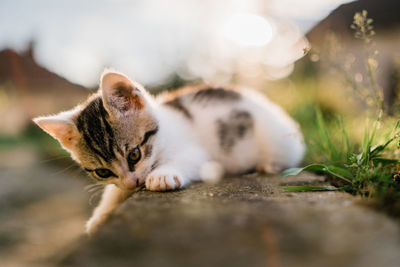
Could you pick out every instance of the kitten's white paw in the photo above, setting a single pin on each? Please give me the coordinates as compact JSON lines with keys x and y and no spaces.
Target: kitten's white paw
{"x":94,"y":223}
{"x":163,"y":182}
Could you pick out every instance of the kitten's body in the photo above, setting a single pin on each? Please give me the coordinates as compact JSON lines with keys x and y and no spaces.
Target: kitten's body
{"x":240,"y":130}
{"x":177,"y":134}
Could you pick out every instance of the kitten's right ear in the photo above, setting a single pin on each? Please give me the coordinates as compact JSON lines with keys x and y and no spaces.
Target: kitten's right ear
{"x":62,"y":129}
{"x":119,"y":93}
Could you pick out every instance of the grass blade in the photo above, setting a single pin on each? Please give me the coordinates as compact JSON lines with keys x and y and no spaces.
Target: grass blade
{"x":307,"y":188}
{"x":341,"y":171}
{"x":296,"y":171}
{"x":338,"y":176}
{"x":338,"y":172}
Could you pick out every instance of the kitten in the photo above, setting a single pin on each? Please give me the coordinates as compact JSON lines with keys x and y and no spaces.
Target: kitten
{"x":125,"y":138}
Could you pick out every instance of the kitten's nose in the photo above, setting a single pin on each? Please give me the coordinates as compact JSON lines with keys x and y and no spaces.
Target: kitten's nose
{"x":130,"y":182}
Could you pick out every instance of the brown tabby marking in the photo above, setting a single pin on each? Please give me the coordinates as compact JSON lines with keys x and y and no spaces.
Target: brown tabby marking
{"x":177,"y":104}
{"x":235,"y":127}
{"x":220,"y":94}
{"x":96,"y":130}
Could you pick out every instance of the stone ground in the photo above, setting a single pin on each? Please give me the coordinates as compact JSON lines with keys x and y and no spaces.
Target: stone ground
{"x":242,"y":221}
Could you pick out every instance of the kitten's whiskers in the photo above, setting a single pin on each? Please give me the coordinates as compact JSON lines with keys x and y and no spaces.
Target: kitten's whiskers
{"x":94,"y":190}
{"x":65,"y":169}
{"x":53,"y":159}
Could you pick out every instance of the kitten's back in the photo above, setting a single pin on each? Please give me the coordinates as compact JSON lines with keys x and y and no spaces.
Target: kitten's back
{"x":235,"y":127}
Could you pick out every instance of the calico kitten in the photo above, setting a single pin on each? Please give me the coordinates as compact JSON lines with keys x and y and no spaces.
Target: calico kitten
{"x":125,"y":138}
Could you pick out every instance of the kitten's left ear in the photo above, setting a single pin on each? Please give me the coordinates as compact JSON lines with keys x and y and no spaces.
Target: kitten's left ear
{"x":62,"y":129}
{"x":120,"y":94}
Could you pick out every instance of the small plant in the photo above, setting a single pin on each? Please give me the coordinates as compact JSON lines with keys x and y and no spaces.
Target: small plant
{"x":370,"y":168}
{"x":364,"y":30}
{"x":370,"y":172}
{"x":369,"y":92}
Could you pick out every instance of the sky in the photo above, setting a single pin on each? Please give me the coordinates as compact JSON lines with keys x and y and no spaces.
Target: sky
{"x":151,"y":39}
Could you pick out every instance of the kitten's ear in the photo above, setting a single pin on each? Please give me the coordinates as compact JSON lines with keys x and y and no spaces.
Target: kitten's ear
{"x":62,"y":129}
{"x":119,"y":93}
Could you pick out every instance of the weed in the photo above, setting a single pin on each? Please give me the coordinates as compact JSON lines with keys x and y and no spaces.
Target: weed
{"x":369,"y":167}
{"x":373,"y":171}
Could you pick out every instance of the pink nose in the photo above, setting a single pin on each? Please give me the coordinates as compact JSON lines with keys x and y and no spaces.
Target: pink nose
{"x":130,"y":183}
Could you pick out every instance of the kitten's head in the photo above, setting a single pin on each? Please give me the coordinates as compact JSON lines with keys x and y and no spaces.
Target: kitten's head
{"x":112,"y":134}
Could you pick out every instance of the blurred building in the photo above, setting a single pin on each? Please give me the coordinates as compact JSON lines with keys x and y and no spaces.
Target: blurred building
{"x":28,"y":90}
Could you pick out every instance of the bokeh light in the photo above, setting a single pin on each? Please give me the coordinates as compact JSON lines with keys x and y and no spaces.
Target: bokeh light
{"x":248,"y":29}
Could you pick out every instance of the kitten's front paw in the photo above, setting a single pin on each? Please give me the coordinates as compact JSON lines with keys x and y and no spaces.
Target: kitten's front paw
{"x":94,"y":223}
{"x":163,"y":182}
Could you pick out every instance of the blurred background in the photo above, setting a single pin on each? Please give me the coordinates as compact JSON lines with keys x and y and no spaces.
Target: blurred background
{"x":302,"y":54}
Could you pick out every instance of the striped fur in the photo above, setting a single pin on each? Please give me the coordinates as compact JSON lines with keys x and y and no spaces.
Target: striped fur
{"x":177,"y":104}
{"x":215,"y":94}
{"x":97,"y":132}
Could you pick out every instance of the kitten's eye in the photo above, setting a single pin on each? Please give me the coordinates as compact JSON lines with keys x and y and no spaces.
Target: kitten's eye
{"x":134,"y":156}
{"x":104,"y":173}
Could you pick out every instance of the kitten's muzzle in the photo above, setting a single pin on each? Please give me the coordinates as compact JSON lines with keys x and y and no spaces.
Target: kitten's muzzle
{"x":130,"y":182}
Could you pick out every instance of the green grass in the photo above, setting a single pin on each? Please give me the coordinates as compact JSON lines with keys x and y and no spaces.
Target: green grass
{"x":33,"y":136}
{"x":368,"y":164}
{"x":370,"y":169}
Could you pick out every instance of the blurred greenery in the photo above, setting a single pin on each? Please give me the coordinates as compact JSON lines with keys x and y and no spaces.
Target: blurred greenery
{"x":34,"y":137}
